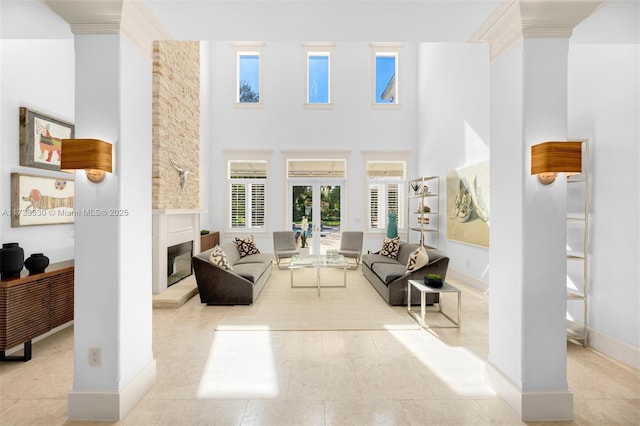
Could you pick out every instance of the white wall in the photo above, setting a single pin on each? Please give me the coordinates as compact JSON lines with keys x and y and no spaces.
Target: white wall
{"x":37,"y":74}
{"x":604,"y":108}
{"x":453,"y":130}
{"x":284,"y":124}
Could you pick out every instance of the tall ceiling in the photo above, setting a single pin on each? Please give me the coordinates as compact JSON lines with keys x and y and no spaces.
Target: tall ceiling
{"x":323,"y":20}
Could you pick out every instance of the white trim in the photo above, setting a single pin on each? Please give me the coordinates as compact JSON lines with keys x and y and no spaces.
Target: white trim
{"x":530,"y":406}
{"x":386,"y":49}
{"x":246,"y":155}
{"x":91,"y":405}
{"x":141,"y":26}
{"x":318,"y":49}
{"x":610,"y":346}
{"x":474,"y":282}
{"x":318,"y":105}
{"x":389,"y":45}
{"x":514,"y":20}
{"x":247,"y":48}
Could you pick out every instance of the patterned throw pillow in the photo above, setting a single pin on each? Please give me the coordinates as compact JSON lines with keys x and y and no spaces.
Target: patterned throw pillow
{"x":390,"y":247}
{"x":417,"y":259}
{"x":219,"y":258}
{"x":246,"y":246}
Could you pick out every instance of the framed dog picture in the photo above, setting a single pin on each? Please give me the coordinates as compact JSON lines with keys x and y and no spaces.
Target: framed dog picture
{"x":41,"y":138}
{"x":41,"y":200}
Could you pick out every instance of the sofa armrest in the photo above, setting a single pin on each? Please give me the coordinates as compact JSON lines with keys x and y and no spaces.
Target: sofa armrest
{"x":218,"y":286}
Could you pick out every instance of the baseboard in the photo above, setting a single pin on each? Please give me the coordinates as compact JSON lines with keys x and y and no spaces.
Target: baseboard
{"x":613,"y":348}
{"x":531,"y":406}
{"x":468,"y":279}
{"x":111,"y":405}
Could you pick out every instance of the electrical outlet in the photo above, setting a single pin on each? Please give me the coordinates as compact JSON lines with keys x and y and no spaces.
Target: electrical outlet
{"x":95,"y":357}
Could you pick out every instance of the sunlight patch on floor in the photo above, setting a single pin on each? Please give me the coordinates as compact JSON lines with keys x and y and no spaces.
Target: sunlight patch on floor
{"x":457,"y":367}
{"x":241,"y":364}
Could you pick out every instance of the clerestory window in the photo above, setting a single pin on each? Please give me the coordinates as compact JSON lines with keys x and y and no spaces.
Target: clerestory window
{"x":386,"y":81}
{"x":248,"y":80}
{"x":318,"y":65}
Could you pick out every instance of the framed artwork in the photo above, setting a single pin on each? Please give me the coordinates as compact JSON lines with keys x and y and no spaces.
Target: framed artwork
{"x":468,"y":204}
{"x":40,"y":139}
{"x":41,"y":200}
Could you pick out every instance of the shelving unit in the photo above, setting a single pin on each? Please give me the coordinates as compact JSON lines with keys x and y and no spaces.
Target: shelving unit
{"x":423,"y":208}
{"x":578,"y":249}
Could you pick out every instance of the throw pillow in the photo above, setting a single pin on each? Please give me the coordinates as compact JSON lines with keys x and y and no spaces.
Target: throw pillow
{"x":219,"y":258}
{"x":417,"y":259}
{"x":390,"y":247}
{"x":246,"y":246}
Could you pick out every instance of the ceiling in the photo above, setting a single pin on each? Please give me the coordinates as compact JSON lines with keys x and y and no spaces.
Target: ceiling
{"x":323,"y":20}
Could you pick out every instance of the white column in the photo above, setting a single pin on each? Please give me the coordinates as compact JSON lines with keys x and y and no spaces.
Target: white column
{"x":527,"y":326}
{"x":112,"y":307}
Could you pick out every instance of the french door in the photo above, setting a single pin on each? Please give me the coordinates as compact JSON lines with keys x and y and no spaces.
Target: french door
{"x":320,"y":203}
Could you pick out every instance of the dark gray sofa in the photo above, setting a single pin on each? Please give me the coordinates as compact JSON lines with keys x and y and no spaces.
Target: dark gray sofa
{"x":390,"y":276}
{"x":242,"y":286}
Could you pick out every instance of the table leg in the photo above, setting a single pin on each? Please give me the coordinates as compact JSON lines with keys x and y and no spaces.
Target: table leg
{"x":423,"y":307}
{"x":408,"y":296}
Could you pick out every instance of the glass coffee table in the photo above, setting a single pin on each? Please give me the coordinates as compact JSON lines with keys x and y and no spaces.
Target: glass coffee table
{"x":319,"y":261}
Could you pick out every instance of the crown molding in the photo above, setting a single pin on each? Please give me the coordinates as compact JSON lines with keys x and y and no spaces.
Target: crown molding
{"x":89,"y":17}
{"x":514,"y":20}
{"x":133,"y":19}
{"x":141,"y":26}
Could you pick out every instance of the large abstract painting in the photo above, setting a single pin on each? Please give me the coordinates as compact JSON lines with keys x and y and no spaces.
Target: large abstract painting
{"x":39,"y":200}
{"x":468,"y":204}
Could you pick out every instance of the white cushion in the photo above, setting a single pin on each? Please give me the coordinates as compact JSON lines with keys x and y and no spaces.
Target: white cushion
{"x":417,"y":259}
{"x":219,"y":258}
{"x":390,"y":247}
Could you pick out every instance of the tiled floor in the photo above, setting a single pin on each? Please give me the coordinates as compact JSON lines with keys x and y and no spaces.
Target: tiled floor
{"x":216,"y":367}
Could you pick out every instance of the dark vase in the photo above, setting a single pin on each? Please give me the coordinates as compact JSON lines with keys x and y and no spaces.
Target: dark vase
{"x":36,"y":263}
{"x":11,"y":260}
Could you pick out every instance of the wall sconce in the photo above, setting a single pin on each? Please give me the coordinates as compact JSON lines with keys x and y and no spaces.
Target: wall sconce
{"x":92,"y":155}
{"x":550,"y":158}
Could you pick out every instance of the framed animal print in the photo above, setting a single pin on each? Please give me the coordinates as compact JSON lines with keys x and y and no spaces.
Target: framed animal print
{"x":41,"y":200}
{"x":41,"y":138}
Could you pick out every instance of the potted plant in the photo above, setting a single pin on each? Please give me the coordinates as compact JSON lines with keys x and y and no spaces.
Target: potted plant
{"x":433,"y":280}
{"x":416,"y":187}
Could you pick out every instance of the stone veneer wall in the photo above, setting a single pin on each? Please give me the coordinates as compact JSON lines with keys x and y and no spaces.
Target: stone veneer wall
{"x":176,"y":123}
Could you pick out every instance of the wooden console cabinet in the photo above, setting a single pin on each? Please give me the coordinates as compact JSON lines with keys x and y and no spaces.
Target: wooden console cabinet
{"x":31,"y":305}
{"x":209,"y":240}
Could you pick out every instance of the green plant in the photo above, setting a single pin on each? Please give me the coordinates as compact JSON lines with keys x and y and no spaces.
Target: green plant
{"x":204,"y":232}
{"x":433,"y":276}
{"x":416,"y":186}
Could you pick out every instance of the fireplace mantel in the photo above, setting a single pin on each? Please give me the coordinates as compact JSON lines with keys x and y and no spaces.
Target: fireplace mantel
{"x":171,"y":227}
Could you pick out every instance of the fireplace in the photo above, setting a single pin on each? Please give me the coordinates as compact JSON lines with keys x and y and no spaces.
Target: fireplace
{"x":179,"y":262}
{"x":172,"y":228}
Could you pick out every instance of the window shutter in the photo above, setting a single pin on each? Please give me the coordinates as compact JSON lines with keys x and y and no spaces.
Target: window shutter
{"x":238,"y":205}
{"x":257,"y":205}
{"x":374,"y":201}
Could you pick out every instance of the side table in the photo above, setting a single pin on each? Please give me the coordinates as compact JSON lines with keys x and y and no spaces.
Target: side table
{"x":423,"y":289}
